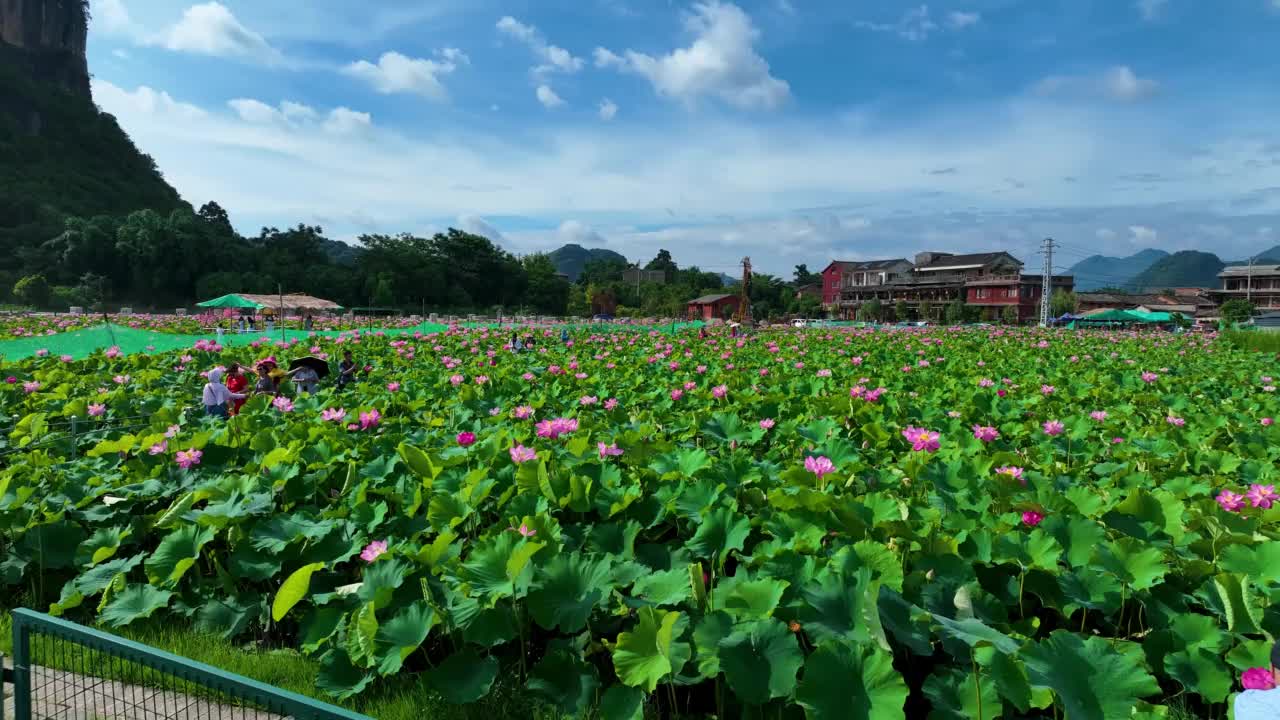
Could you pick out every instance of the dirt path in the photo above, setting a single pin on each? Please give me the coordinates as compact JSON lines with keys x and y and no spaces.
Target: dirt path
{"x":62,"y":695}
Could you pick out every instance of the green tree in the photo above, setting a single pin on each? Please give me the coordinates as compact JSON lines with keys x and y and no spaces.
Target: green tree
{"x":578,"y":305}
{"x":1009,"y":316}
{"x":94,"y":289}
{"x":33,"y":290}
{"x":926,"y":311}
{"x":662,"y":261}
{"x":954,"y":314}
{"x":1232,"y":311}
{"x":901,"y":311}
{"x":871,"y":310}
{"x":804,"y":277}
{"x":547,"y":292}
{"x":383,"y":292}
{"x":1062,"y":302}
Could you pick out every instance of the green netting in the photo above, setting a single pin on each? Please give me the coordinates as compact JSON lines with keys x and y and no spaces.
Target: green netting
{"x":82,"y":343}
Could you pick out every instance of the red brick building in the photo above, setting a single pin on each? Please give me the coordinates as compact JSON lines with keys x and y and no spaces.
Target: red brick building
{"x":712,"y":307}
{"x":990,"y":281}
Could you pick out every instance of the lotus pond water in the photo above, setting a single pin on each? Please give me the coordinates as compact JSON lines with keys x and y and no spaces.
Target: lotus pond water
{"x":955,"y":523}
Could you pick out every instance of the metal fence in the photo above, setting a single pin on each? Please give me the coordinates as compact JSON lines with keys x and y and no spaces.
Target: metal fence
{"x":65,"y":671}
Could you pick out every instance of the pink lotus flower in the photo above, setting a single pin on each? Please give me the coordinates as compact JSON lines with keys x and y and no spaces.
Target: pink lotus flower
{"x":121,"y":379}
{"x":1047,"y":389}
{"x":333,"y":415}
{"x":11,"y":379}
{"x":525,"y":530}
{"x":1032,"y":518}
{"x":1258,"y":678}
{"x":393,"y":386}
{"x":1098,"y":415}
{"x":1149,"y":377}
{"x":719,"y":391}
{"x":1230,"y":501}
{"x":608,"y":450}
{"x":921,"y":439}
{"x":373,"y":551}
{"x":872,"y":396}
{"x":1262,"y":496}
{"x":159,"y":448}
{"x":66,"y":358}
{"x":97,"y":410}
{"x":371,"y":419}
{"x":113,"y":352}
{"x":42,"y":352}
{"x":172,"y":431}
{"x":283,"y":404}
{"x":766,"y":424}
{"x":521,"y":454}
{"x":819,"y":466}
{"x":1117,"y":440}
{"x":586,"y":400}
{"x":1175,"y":421}
{"x":986,"y":382}
{"x":553,"y":429}
{"x":188,"y":458}
{"x":1011,"y":471}
{"x":522,"y":412}
{"x":1053,"y":428}
{"x":677,"y":394}
{"x":456,"y":380}
{"x":1002,"y":392}
{"x":466,"y":439}
{"x":30,"y":387}
{"x":985,"y":433}
{"x":495,"y":411}
{"x":1266,"y":422}
{"x":611,"y":403}
{"x":824,"y":373}
{"x":482,"y":379}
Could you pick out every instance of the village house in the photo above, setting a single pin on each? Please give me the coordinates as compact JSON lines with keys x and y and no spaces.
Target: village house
{"x":990,"y":281}
{"x":712,"y":307}
{"x":1259,"y":284}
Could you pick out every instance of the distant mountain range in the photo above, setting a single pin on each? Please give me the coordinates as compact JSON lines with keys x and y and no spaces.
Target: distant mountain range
{"x":1154,"y":269}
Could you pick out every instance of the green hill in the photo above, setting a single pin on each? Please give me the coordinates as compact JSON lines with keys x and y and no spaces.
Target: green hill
{"x":1189,"y":268}
{"x":1099,"y":271}
{"x":570,"y":259}
{"x":59,"y":156}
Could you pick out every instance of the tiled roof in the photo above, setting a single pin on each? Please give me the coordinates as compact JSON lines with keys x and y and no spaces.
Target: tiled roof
{"x":962,"y":260}
{"x":708,"y":299}
{"x":1246,"y":270}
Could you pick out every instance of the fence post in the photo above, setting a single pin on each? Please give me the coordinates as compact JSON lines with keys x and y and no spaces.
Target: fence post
{"x":21,"y":670}
{"x":75,"y":441}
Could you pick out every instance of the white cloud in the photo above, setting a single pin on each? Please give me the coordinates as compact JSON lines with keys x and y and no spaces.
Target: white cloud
{"x":915,"y":24}
{"x":1105,"y":234}
{"x":721,"y":62}
{"x":121,"y":53}
{"x":1117,"y":83}
{"x":1142,"y":235}
{"x":255,"y":111}
{"x":145,"y":101}
{"x":111,"y":16}
{"x":574,"y":232}
{"x":1150,"y":9}
{"x":211,"y":29}
{"x":297,"y":111}
{"x":477,"y":225}
{"x":961,"y":20}
{"x":608,"y":109}
{"x":396,"y":73}
{"x":548,"y":97}
{"x":343,"y":121}
{"x":554,"y":59}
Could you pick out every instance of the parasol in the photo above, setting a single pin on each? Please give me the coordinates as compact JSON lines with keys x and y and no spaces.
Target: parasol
{"x":320,"y":366}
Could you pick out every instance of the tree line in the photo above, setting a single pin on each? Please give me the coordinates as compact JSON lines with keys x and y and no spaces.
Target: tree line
{"x":154,"y":260}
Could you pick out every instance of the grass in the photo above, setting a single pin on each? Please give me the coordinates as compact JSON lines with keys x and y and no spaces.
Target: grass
{"x":1254,"y":340}
{"x":405,"y":698}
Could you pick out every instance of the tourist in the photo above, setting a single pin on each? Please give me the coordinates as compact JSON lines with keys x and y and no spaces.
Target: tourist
{"x":1262,"y":704}
{"x":268,"y":379}
{"x":307,"y":323}
{"x":516,"y":344}
{"x":346,"y":370}
{"x":305,"y":378}
{"x":216,"y":395}
{"x":237,"y":383}
{"x":564,"y":335}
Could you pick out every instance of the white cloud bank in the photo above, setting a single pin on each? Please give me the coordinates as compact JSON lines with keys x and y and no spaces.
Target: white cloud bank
{"x":397,"y":73}
{"x":721,"y":62}
{"x":1119,"y":83}
{"x":212,"y":29}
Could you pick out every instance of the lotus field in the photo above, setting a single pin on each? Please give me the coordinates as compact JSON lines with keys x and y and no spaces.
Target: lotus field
{"x":965,"y":523}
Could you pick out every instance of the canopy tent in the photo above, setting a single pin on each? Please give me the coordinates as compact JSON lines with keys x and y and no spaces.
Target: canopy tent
{"x":231,"y":301}
{"x":1121,"y":317}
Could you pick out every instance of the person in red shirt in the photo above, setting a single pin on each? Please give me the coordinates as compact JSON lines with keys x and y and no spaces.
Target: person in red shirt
{"x":236,"y":383}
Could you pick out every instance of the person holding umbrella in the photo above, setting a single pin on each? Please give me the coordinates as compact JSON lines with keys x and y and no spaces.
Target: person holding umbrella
{"x":306,"y":373}
{"x":238,"y":384}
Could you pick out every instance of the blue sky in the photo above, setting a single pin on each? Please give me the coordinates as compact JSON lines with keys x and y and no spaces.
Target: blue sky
{"x":793,"y":131}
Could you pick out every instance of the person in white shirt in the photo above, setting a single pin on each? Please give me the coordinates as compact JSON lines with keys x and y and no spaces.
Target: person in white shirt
{"x":217,"y":395}
{"x":1262,"y":704}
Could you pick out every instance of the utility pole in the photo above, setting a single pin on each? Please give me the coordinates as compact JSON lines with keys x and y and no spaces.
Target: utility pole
{"x":1046,"y":281}
{"x":1248,"y":282}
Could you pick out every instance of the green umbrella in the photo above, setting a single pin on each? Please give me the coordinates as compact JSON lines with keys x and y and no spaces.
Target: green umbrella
{"x":230,"y":301}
